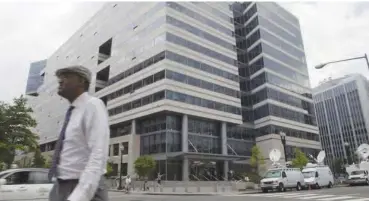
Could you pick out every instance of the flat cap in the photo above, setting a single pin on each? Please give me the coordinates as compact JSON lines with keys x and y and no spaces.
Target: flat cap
{"x":78,"y":70}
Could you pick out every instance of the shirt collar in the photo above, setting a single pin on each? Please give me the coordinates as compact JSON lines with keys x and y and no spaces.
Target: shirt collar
{"x":80,"y":100}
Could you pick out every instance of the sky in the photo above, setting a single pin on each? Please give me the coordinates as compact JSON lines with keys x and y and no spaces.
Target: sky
{"x":32,"y":31}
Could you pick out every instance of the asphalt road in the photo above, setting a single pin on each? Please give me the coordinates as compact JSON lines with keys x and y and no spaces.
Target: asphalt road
{"x":357,"y":193}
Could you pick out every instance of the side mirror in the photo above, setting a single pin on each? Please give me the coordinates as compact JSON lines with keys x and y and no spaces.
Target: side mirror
{"x":2,"y":182}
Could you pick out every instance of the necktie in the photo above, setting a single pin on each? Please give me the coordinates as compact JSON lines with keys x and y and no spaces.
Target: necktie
{"x":59,"y":144}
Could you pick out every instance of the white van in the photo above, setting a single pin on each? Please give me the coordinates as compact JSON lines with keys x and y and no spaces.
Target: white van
{"x":281,"y":179}
{"x":358,"y":177}
{"x":318,"y":176}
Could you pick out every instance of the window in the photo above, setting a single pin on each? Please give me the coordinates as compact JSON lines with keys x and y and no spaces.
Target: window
{"x":38,"y":178}
{"x":17,"y":178}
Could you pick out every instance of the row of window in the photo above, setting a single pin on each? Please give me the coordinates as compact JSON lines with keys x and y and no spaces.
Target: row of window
{"x":176,"y":96}
{"x":241,"y":133}
{"x":137,"y":68}
{"x":137,"y":85}
{"x":204,"y":144}
{"x":160,"y":142}
{"x":179,"y":77}
{"x":239,"y":147}
{"x":203,"y":127}
{"x":200,"y":33}
{"x":137,"y":103}
{"x":200,"y":66}
{"x":280,"y":82}
{"x":274,"y":7}
{"x":273,"y":129}
{"x":200,"y":49}
{"x":214,"y":11}
{"x":157,"y":123}
{"x":265,"y":62}
{"x":273,"y":110}
{"x":200,"y":18}
{"x":268,"y":93}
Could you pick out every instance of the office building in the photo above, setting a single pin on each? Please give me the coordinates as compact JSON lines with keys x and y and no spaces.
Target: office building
{"x":35,"y":79}
{"x":173,"y":78}
{"x":343,"y":115}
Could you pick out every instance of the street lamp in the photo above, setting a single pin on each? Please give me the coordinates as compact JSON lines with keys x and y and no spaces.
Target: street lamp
{"x":120,"y":187}
{"x":283,"y":139}
{"x":347,"y":148}
{"x":343,"y":60}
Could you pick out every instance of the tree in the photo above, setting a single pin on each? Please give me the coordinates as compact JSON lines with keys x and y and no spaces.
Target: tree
{"x":300,"y":159}
{"x":39,"y":161}
{"x":15,"y":129}
{"x":144,"y":165}
{"x":24,"y":162}
{"x":109,"y":169}
{"x":257,"y":159}
{"x":338,"y":166}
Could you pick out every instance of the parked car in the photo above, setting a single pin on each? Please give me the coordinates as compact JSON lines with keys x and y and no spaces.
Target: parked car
{"x":24,"y":184}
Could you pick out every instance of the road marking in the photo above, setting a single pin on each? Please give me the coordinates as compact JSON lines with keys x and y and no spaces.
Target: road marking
{"x":336,"y":198}
{"x":299,"y":195}
{"x":317,"y":196}
{"x":360,"y":199}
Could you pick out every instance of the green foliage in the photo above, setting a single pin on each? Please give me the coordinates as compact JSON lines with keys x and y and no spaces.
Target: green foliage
{"x":300,"y":159}
{"x":39,"y":161}
{"x":257,"y":159}
{"x":144,"y":165}
{"x":109,"y":169}
{"x":15,"y":134}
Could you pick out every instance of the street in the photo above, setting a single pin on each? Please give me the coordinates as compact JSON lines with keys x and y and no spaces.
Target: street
{"x":357,"y":193}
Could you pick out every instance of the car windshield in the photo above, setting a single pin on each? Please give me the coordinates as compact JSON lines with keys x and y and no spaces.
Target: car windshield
{"x":359,"y":172}
{"x":308,"y":174}
{"x":273,"y":174}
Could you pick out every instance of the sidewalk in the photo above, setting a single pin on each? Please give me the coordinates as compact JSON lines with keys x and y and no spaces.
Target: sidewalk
{"x":188,"y":193}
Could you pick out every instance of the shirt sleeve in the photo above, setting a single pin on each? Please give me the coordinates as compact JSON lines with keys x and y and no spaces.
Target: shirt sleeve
{"x":97,"y":135}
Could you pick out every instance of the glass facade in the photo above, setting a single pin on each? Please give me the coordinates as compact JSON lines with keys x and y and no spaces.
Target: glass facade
{"x":35,"y":80}
{"x":340,"y":119}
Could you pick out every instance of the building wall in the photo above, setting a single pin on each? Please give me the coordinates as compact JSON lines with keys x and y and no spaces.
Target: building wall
{"x":278,"y":96}
{"x":342,"y":114}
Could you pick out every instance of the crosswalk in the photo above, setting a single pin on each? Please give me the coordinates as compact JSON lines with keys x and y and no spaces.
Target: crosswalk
{"x":306,"y":196}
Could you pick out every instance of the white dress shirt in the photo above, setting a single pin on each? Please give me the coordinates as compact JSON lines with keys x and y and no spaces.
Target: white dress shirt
{"x":85,"y":147}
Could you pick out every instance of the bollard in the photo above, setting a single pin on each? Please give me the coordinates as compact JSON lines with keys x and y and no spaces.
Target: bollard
{"x":223,"y":188}
{"x":174,"y":189}
{"x":198,"y":189}
{"x":161,"y":189}
{"x":215,"y":187}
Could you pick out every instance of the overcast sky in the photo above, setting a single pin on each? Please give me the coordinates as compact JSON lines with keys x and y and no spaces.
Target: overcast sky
{"x":33,"y":31}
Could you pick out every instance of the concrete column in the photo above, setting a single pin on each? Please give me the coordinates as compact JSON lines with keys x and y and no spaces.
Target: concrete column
{"x":185,"y":133}
{"x":226,"y":170}
{"x":224,"y":138}
{"x":185,"y":172}
{"x":224,"y":149}
{"x":132,"y":154}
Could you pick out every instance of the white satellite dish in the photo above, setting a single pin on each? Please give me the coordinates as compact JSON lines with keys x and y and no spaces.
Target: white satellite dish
{"x":321,"y":156}
{"x":275,"y":155}
{"x":363,"y":151}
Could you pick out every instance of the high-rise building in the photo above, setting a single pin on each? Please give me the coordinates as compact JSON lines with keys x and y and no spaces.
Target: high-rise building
{"x":170,"y":74}
{"x":343,"y":115}
{"x":35,"y":77}
{"x":276,"y":98}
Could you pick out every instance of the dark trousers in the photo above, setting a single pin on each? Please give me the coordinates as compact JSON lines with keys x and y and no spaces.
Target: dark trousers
{"x":63,"y":188}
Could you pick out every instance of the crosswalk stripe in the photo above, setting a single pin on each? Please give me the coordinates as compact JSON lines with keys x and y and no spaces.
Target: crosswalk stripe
{"x":360,"y":199}
{"x":315,"y":197}
{"x":299,"y":195}
{"x":336,"y":198}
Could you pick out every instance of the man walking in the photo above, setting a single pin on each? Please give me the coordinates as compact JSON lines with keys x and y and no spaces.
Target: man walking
{"x":81,"y":152}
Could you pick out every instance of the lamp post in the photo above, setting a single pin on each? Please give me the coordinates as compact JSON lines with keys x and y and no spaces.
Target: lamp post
{"x":348,"y":155}
{"x":343,"y":60}
{"x":283,"y":139}
{"x":120,"y":187}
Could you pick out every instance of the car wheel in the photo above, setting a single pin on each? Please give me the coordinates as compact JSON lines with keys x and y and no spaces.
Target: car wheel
{"x":281,"y":187}
{"x":317,"y":186}
{"x":265,"y":190}
{"x":298,"y":187}
{"x":330,"y":185}
{"x":367,"y":181}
